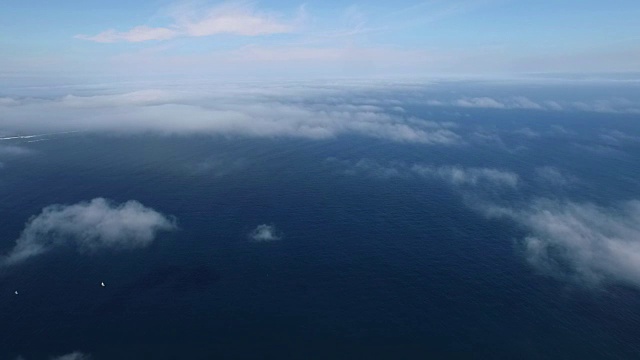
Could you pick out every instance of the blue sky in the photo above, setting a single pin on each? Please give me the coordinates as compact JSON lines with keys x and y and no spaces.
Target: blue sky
{"x":290,"y":39}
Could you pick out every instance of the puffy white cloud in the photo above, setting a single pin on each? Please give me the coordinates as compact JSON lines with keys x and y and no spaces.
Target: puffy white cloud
{"x":581,"y":241}
{"x":90,"y":226}
{"x":228,"y":18}
{"x":264,"y":233}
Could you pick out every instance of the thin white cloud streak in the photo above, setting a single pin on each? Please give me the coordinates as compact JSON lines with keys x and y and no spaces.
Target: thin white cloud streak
{"x":527,"y":132}
{"x":13,"y":150}
{"x":521,"y":102}
{"x":554,"y":176}
{"x":580,"y":241}
{"x":264,"y":233}
{"x":248,"y":113}
{"x":461,"y":176}
{"x":76,"y":355}
{"x":136,"y":34}
{"x":89,"y":226}
{"x":455,"y":175}
{"x":616,"y":137}
{"x":230,"y":18}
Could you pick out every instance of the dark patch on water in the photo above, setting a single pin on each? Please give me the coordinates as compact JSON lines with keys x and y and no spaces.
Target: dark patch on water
{"x":167,"y":281}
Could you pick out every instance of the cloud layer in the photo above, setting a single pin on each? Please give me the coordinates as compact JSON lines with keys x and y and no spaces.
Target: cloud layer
{"x":89,"y":226}
{"x":264,"y":233}
{"x":246,"y":112}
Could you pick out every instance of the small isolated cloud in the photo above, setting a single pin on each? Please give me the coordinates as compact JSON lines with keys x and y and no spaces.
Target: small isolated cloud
{"x":73,"y":356}
{"x":581,"y":241}
{"x":461,"y":176}
{"x":264,"y":233}
{"x":235,"y":19}
{"x":89,"y":226}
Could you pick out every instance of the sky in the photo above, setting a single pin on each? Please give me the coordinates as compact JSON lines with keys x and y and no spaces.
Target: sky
{"x":242,"y":40}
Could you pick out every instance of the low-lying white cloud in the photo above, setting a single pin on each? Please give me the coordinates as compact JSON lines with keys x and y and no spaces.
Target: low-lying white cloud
{"x":581,"y":241}
{"x":264,"y":233}
{"x":89,"y":226}
{"x":246,"y":112}
{"x":230,"y":18}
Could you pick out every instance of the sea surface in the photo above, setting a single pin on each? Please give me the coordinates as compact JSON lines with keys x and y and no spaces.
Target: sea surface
{"x":368,"y":264}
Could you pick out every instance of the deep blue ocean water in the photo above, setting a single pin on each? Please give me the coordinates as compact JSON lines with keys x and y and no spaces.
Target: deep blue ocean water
{"x":367,"y":267}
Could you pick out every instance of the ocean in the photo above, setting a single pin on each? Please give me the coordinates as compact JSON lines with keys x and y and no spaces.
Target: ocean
{"x":378,"y":249}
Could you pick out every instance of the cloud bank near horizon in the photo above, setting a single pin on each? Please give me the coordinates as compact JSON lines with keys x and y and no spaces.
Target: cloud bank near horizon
{"x":89,"y":226}
{"x":247,"y":112}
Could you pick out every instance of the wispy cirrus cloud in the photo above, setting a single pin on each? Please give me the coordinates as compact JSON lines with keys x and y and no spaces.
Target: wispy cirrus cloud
{"x":240,"y":19}
{"x":89,"y":226}
{"x":136,"y":34}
